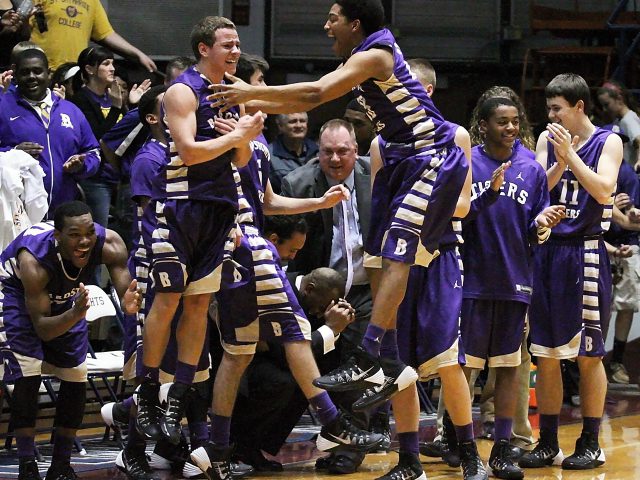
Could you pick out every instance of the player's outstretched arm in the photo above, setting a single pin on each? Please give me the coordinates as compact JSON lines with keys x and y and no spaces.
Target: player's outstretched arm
{"x":463,"y":206}
{"x":114,"y":257}
{"x":34,"y":280}
{"x":375,"y":63}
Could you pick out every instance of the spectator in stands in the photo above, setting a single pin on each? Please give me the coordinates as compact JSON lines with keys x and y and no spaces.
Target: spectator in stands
{"x":70,"y":26}
{"x":43,"y":314}
{"x":291,"y":149}
{"x":52,"y":130}
{"x":619,"y":103}
{"x":101,"y":101}
{"x":356,"y":115}
{"x":67,"y":79}
{"x":14,"y":28}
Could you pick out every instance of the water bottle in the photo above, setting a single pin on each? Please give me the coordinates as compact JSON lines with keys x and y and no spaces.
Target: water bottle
{"x":24,"y":9}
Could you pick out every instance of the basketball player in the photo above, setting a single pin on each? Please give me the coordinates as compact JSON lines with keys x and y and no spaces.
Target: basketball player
{"x":266,"y":307}
{"x":582,"y":163}
{"x":44,"y":303}
{"x":192,"y":214}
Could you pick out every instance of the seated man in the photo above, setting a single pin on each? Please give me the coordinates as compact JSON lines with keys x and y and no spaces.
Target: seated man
{"x":44,"y":303}
{"x":291,"y":149}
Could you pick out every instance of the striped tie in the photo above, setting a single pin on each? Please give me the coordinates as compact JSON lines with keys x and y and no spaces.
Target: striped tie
{"x":44,"y":113}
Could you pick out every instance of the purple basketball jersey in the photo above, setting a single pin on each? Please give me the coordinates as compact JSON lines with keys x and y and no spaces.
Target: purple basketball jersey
{"x":585,"y":216}
{"x":208,"y":181}
{"x":497,"y":251}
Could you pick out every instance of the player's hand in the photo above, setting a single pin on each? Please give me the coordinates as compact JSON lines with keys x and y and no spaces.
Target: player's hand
{"x":132,"y":298}
{"x":622,"y":201}
{"x":634,"y":215}
{"x":497,"y":177}
{"x":224,"y":125}
{"x":334,"y":195}
{"x":32,"y":148}
{"x":80,"y":303}
{"x":226,"y":96}
{"x":561,"y":140}
{"x":74,"y":164}
{"x":250,"y":126}
{"x":337,"y":316}
{"x":237,"y":235}
{"x":551,"y":216}
{"x":623,"y":251}
{"x":138,"y":90}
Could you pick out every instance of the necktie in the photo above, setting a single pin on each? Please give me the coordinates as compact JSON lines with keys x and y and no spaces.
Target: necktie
{"x":44,"y":113}
{"x":346,"y":241}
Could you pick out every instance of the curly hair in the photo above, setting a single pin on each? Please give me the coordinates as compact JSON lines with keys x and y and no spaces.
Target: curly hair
{"x":525,"y":135}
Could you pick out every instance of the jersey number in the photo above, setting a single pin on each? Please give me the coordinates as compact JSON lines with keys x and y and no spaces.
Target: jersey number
{"x":575,"y":187}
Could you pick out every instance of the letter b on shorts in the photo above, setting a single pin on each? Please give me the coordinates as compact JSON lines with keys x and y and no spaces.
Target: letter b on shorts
{"x":401,"y":247}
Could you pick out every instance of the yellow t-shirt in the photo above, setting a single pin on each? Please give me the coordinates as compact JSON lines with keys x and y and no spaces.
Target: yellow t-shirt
{"x":71,"y":23}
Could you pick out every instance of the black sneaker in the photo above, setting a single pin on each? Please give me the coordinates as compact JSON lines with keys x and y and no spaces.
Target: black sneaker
{"x":238,"y":470}
{"x":170,"y":421}
{"x":380,"y":424}
{"x":61,"y":472}
{"x":543,"y":455}
{"x":471,"y":463}
{"x":450,"y":448}
{"x":166,"y":456}
{"x":431,"y":449}
{"x":587,"y":455}
{"x":359,"y":372}
{"x":501,"y":464}
{"x":148,"y":418}
{"x":115,"y":414}
{"x":397,"y":376}
{"x":341,"y":433}
{"x":135,"y":465}
{"x":214,"y":461}
{"x":408,"y":468}
{"x":28,"y":470}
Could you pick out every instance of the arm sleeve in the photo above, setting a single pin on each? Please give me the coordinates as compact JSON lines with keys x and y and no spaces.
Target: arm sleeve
{"x":89,"y":145}
{"x":482,"y":201}
{"x":101,"y":27}
{"x":322,"y":341}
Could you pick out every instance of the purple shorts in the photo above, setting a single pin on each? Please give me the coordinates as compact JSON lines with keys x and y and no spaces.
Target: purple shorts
{"x":188,"y":243}
{"x":24,"y":354}
{"x":264,"y":306}
{"x":571,"y":302}
{"x":414,"y":201}
{"x":428,"y":327}
{"x":492,"y":330}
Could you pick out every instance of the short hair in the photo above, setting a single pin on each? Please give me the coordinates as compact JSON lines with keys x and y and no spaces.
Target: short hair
{"x":148,"y":102}
{"x":618,"y":91}
{"x":369,"y":12}
{"x":32,"y":53}
{"x":204,"y":32}
{"x":180,"y":63}
{"x":572,"y":87}
{"x":285,"y":225}
{"x":74,"y":208}
{"x":92,"y":56}
{"x":335,"y":124}
{"x":423,"y":70}
{"x":283,"y":118}
{"x":354,"y":104}
{"x":491,"y":105}
{"x":328,"y":279}
{"x":525,"y":135}
{"x":21,"y":47}
{"x":248,"y":64}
